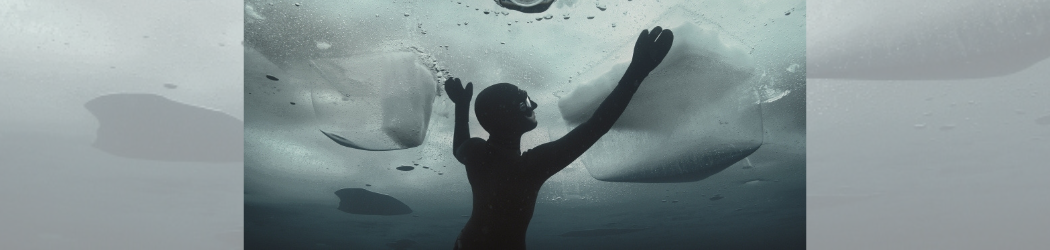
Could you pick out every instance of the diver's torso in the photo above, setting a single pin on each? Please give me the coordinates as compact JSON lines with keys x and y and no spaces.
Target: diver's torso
{"x":504,"y":194}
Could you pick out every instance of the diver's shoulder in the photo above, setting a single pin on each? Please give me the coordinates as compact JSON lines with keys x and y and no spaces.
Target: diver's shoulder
{"x":472,"y":146}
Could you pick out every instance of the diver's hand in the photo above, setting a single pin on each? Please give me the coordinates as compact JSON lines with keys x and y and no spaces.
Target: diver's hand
{"x":457,"y":93}
{"x":649,"y":51}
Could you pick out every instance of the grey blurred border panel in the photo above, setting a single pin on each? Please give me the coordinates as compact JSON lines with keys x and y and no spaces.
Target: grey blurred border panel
{"x":931,"y":132}
{"x":121,"y":124}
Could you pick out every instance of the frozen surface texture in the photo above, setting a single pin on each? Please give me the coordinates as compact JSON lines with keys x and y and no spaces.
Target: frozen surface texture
{"x":151,"y":127}
{"x":927,"y":40}
{"x":391,"y":92}
{"x":696,"y":114}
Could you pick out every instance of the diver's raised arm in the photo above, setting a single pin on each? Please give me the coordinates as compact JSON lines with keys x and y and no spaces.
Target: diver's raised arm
{"x":649,"y":51}
{"x":461,"y":97}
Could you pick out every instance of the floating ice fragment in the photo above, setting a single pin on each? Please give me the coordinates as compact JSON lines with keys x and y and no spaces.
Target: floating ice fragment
{"x":271,"y":77}
{"x":375,"y":144}
{"x":361,"y":201}
{"x":390,"y":95}
{"x":716,"y":197}
{"x":695,"y":115}
{"x":405,"y":168}
{"x":323,"y":45}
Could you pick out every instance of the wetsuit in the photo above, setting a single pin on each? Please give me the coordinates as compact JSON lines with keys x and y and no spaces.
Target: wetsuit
{"x":505,"y":182}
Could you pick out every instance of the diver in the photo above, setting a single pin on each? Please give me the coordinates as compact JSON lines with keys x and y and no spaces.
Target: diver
{"x":504,"y":181}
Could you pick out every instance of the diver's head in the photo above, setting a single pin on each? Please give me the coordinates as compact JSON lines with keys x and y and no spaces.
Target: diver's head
{"x":505,"y":110}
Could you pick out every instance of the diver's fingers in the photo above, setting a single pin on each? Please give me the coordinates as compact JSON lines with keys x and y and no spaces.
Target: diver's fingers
{"x":641,"y":38}
{"x":665,"y":42}
{"x":470,"y":89}
{"x":448,"y":86}
{"x":663,"y":46}
{"x":654,"y":34}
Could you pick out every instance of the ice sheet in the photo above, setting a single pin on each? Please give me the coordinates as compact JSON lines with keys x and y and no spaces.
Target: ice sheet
{"x":696,"y":114}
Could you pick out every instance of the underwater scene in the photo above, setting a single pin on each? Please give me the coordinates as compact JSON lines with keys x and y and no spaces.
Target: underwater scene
{"x":647,"y":124}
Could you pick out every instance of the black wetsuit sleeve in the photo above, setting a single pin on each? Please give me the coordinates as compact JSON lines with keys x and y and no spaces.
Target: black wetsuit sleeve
{"x":462,"y":131}
{"x":554,"y":156}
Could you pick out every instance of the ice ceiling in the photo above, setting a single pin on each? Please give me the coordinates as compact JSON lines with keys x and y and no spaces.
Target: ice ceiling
{"x":326,"y":61}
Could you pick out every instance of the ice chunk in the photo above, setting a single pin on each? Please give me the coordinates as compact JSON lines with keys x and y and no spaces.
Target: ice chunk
{"x":151,"y":127}
{"x":361,"y":201}
{"x":392,"y":93}
{"x":696,"y":114}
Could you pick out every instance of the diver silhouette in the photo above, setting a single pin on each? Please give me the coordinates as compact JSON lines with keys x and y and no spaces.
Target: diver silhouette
{"x":504,"y":181}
